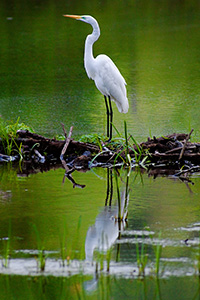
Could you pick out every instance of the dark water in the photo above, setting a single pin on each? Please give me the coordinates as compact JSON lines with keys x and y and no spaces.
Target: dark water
{"x":155,"y":44}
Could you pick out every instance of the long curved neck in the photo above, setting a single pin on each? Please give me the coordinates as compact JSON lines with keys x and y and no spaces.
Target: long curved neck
{"x":88,"y":54}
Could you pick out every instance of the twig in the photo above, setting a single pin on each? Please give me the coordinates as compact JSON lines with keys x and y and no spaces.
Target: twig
{"x":63,"y":127}
{"x":68,"y":171}
{"x":67,"y":141}
{"x":189,"y":170}
{"x":41,"y":157}
{"x":185,"y":143}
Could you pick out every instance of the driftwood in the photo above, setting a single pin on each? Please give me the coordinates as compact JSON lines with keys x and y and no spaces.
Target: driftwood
{"x":163,"y":154}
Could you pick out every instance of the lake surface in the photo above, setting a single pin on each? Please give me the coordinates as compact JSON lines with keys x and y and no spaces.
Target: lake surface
{"x":155,"y":44}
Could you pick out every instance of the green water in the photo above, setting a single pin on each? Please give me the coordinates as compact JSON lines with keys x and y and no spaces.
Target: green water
{"x":40,"y":212}
{"x":61,"y":288}
{"x":155,"y":44}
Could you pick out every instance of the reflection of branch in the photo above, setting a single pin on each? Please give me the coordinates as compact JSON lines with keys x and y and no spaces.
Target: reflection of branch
{"x":74,"y":183}
{"x":68,"y":171}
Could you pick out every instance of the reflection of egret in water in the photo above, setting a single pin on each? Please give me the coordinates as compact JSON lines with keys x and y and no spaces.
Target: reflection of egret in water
{"x":108,"y":224}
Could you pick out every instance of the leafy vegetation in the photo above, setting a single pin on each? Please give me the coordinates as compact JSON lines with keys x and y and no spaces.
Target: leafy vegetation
{"x":8,"y":134}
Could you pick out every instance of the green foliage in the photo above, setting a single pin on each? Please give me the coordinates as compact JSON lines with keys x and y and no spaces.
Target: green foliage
{"x":10,"y":128}
{"x":8,"y":134}
{"x":60,"y":137}
{"x":93,"y":139}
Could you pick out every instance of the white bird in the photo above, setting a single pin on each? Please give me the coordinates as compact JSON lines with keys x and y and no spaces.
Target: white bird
{"x":105,"y":74}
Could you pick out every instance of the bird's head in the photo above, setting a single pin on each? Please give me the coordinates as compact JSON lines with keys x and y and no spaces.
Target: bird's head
{"x":85,"y":18}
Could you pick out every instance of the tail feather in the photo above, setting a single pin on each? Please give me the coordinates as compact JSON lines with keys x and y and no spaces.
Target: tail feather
{"x":123,"y":106}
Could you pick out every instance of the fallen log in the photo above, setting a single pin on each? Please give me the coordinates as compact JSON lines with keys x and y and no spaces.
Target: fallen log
{"x":171,"y":150}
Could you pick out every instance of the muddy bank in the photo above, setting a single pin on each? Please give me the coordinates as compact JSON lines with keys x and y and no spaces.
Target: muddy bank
{"x":161,"y":156}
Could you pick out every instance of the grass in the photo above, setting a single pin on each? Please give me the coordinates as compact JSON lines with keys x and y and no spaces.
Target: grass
{"x":127,"y":144}
{"x":93,"y":139}
{"x":63,"y":246}
{"x":41,"y":257}
{"x":158,"y":252}
{"x":118,"y":197}
{"x":120,"y":147}
{"x":142,"y":258}
{"x":101,"y":257}
{"x":71,"y":251}
{"x":8,"y":134}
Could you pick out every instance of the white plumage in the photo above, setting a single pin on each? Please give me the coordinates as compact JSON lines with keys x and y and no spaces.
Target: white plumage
{"x":110,"y":82}
{"x":105,"y":74}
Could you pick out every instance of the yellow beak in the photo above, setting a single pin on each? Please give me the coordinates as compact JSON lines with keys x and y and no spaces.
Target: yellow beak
{"x":72,"y":16}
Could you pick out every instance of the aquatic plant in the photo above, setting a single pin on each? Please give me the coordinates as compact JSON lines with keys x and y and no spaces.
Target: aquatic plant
{"x":118,"y":197}
{"x":41,"y":257}
{"x":128,"y":158}
{"x":63,"y":248}
{"x":101,"y":257}
{"x":142,"y":258}
{"x":158,"y":252}
{"x":72,"y":251}
{"x":125,"y":146}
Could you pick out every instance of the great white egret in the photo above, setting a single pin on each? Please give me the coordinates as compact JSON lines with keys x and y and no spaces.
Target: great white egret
{"x":104,"y":72}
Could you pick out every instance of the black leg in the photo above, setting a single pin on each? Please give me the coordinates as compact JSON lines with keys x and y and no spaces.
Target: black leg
{"x":108,"y":187}
{"x":111,"y":118}
{"x":111,"y":187}
{"x":108,"y":116}
{"x":109,"y":193}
